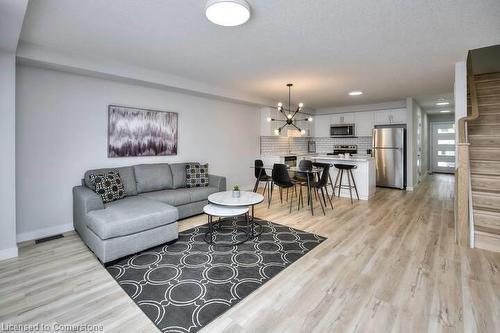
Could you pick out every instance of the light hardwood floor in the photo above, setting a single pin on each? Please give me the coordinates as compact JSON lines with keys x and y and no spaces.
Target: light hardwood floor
{"x":389,"y":264}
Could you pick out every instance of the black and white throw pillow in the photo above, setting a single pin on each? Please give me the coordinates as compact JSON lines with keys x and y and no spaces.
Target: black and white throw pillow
{"x":108,"y":185}
{"x":196,"y":175}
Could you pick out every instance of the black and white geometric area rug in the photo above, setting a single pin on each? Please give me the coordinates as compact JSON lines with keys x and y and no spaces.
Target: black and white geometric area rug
{"x":183,"y":286}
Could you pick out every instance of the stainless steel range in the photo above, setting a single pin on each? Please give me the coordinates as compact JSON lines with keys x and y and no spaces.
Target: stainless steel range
{"x":342,"y":149}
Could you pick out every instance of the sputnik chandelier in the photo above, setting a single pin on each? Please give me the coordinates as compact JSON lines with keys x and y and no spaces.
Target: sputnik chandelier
{"x":289,"y":114}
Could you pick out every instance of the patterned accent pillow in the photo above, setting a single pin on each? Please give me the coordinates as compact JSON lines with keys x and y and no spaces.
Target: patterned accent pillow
{"x":196,"y":175}
{"x":108,"y":185}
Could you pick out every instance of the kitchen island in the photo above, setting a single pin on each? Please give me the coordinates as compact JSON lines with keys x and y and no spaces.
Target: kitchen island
{"x":364,"y":173}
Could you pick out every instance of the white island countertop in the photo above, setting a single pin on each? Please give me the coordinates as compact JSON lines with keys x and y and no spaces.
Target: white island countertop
{"x":336,"y":158}
{"x":363,"y":174}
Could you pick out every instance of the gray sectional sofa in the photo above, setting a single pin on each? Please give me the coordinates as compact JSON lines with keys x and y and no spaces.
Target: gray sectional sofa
{"x":156,"y":197}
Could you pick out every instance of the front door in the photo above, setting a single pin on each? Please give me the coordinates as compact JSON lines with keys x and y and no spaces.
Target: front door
{"x":443,"y":147}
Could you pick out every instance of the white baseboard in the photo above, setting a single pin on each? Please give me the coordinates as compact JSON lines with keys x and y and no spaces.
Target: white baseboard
{"x":8,"y":253}
{"x":45,"y":232}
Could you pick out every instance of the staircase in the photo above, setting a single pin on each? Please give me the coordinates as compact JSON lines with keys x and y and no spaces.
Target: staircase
{"x":484,"y":138}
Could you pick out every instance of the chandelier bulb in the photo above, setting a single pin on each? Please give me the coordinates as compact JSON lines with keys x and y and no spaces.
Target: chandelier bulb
{"x":289,"y":116}
{"x":268,"y":119}
{"x":301,"y":105}
{"x":310,"y":119}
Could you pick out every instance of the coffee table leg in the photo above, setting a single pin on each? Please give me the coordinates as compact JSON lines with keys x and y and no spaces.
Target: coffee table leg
{"x":250,"y":225}
{"x":210,"y":228}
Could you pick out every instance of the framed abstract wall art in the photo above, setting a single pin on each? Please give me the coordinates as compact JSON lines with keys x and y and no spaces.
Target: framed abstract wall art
{"x":141,"y":132}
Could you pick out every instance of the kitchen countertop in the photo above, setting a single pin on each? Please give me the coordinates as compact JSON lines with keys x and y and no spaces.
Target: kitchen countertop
{"x":360,"y":158}
{"x":336,"y":158}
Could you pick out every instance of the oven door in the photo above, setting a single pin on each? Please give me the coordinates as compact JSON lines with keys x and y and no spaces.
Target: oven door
{"x":342,"y":131}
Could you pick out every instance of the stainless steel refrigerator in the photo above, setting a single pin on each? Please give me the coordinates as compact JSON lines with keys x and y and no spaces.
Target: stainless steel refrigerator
{"x":389,"y":150}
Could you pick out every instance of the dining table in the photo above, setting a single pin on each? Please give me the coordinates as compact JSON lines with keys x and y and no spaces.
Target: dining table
{"x":311,"y":174}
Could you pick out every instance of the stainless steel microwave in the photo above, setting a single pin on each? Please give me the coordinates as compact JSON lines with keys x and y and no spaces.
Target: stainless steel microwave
{"x":342,"y":130}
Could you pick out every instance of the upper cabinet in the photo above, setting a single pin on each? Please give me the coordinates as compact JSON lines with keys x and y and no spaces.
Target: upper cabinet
{"x":322,"y":125}
{"x":364,"y":123}
{"x":394,"y":116}
{"x":342,"y":118}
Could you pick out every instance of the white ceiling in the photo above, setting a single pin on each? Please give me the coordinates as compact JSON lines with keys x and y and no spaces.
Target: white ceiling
{"x":428,"y":103}
{"x":390,"y":49}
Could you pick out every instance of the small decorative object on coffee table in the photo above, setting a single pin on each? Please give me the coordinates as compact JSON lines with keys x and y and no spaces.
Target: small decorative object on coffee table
{"x":225,"y":205}
{"x":236,"y":191}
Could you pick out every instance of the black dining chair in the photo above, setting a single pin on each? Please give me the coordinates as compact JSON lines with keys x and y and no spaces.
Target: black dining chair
{"x":322,"y":184}
{"x":303,"y":165}
{"x":261,"y":176}
{"x":281,"y":178}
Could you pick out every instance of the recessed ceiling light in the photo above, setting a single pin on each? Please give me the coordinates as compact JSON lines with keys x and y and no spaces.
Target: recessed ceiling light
{"x":355,"y":93}
{"x":445,"y":111}
{"x":442,"y":103}
{"x":228,"y":13}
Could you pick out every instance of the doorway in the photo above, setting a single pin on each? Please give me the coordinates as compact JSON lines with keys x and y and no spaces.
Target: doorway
{"x":443,"y":147}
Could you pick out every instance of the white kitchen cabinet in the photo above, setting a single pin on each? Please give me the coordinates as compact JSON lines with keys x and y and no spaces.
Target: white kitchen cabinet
{"x":322,"y":125}
{"x":267,"y":127}
{"x":399,"y":116}
{"x":306,"y":125}
{"x":364,"y":123}
{"x":387,"y":117}
{"x":342,"y":118}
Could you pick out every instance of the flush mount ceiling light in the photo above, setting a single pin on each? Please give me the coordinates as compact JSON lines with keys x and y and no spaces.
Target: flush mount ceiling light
{"x":228,"y":13}
{"x":290,"y":114}
{"x":355,"y":93}
{"x":442,"y":103}
{"x":445,"y":111}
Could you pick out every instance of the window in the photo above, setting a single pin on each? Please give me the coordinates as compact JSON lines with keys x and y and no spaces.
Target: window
{"x":446,"y":130}
{"x":446,"y":164}
{"x":446,"y":142}
{"x":446,"y":153}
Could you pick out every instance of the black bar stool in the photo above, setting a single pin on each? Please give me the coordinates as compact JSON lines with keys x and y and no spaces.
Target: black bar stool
{"x":348,"y":168}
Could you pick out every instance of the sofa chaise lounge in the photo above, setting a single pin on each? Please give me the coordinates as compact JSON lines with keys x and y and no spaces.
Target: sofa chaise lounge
{"x":156,"y":197}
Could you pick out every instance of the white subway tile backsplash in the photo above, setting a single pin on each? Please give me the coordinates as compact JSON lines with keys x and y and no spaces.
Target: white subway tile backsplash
{"x":283,"y":145}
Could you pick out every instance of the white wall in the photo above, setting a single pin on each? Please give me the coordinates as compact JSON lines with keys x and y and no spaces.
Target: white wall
{"x":8,"y":247}
{"x":425,"y":144}
{"x":415,"y":144}
{"x":62,"y":131}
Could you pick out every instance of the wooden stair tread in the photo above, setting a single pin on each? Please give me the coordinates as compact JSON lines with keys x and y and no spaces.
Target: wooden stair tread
{"x":487,"y":230}
{"x":485,"y":175}
{"x":486,"y":218}
{"x":487,"y":192}
{"x":488,"y":211}
{"x":487,"y":77}
{"x":484,"y":140}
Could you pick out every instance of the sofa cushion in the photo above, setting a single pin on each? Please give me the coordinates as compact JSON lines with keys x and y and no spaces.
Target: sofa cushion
{"x":202,"y":193}
{"x":180,"y":196}
{"x":196,"y":175}
{"x":178,"y":174}
{"x":108,"y":185}
{"x":126,"y":174}
{"x":130,"y":215}
{"x":153,"y":177}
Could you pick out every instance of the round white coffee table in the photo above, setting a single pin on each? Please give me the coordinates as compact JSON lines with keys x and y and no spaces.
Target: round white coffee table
{"x":225,"y":200}
{"x":246,"y":198}
{"x":224,"y":212}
